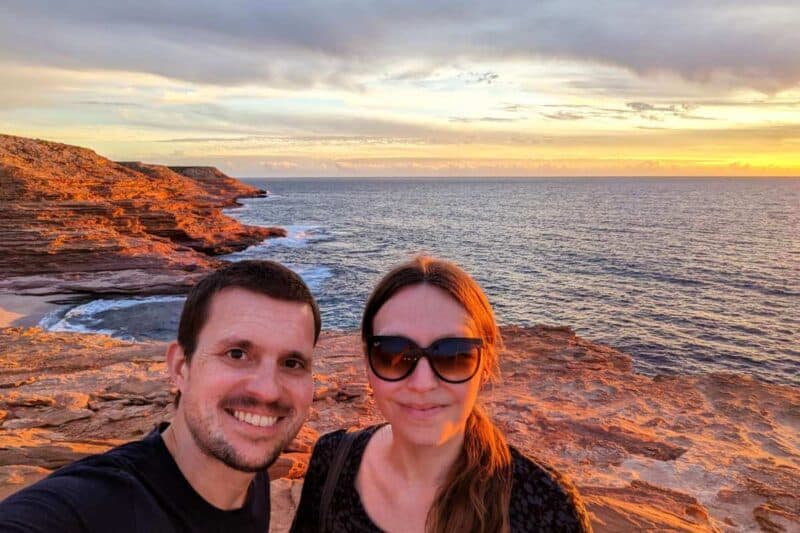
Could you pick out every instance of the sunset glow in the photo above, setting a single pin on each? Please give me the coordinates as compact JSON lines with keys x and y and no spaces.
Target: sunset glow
{"x":412,"y":90}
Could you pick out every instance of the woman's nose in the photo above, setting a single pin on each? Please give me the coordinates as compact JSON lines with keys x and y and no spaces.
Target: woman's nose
{"x":422,"y":378}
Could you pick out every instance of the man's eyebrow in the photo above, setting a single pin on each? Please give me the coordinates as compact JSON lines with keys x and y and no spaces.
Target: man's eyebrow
{"x":237,"y":342}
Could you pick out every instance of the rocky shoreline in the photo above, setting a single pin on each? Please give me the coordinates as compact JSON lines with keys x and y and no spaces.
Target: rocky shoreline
{"x":713,"y":452}
{"x":74,"y":224}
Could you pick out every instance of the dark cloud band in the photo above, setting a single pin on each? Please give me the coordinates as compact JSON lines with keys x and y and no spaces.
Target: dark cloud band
{"x":303,"y":44}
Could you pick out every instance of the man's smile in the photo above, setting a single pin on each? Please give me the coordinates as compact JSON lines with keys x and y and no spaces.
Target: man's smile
{"x":254,"y":419}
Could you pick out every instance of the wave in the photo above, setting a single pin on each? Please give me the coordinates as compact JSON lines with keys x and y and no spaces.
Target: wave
{"x":93,"y":316}
{"x":297,"y":236}
{"x":153,"y":317}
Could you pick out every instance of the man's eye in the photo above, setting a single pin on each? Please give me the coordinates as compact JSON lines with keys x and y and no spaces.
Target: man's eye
{"x":294,"y":364}
{"x":236,"y":353}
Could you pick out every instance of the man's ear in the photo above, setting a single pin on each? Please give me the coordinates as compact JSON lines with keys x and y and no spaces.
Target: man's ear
{"x":177,"y":365}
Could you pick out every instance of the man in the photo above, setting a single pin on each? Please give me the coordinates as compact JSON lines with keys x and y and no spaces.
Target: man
{"x":242,"y":366}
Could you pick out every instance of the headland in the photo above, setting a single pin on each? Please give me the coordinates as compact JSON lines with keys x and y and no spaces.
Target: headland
{"x":74,"y":224}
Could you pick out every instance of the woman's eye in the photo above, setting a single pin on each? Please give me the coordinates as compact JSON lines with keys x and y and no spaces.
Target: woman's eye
{"x":236,"y":353}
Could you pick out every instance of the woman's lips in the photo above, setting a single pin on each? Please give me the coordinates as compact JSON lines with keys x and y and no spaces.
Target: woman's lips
{"x":426,"y":410}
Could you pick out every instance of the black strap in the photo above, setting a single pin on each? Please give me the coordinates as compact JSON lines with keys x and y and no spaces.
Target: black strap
{"x":333,"y":476}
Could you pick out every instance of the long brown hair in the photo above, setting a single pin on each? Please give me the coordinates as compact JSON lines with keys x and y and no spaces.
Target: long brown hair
{"x":476,"y":493}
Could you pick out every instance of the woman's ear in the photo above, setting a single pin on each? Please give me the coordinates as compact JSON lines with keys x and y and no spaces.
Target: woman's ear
{"x":370,"y":375}
{"x":486,"y":376}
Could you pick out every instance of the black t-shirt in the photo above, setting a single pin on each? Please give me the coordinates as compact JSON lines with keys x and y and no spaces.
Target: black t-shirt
{"x":136,"y":487}
{"x":541,"y":499}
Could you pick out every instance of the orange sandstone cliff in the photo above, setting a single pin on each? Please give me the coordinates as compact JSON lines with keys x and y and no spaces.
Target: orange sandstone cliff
{"x":72,"y":221}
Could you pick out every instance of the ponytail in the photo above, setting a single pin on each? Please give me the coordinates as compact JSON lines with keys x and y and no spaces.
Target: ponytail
{"x":476,"y":494}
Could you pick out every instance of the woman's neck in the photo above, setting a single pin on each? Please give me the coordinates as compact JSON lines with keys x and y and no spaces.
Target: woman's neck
{"x":417,"y":464}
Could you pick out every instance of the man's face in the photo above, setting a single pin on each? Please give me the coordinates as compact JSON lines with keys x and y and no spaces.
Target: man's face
{"x":246,"y":392}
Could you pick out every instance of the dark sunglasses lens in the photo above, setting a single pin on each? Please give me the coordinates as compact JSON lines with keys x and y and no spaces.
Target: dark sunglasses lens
{"x":455,"y":359}
{"x":391,"y":358}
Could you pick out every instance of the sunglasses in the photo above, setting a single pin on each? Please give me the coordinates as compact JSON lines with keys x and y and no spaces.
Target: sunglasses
{"x":452,"y":359}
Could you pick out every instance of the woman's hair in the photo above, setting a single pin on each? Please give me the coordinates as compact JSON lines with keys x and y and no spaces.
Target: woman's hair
{"x":475,"y":495}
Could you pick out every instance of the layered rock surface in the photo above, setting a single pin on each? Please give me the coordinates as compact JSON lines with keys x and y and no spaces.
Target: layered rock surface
{"x":712,"y":452}
{"x":72,"y":221}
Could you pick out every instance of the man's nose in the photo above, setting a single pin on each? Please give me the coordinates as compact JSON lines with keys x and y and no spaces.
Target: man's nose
{"x":264,"y":383}
{"x":423,"y":377}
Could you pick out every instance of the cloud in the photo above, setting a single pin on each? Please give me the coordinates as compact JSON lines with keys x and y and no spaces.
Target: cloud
{"x":108,"y":104}
{"x":467,"y":120}
{"x":280,"y":164}
{"x":643,"y":110}
{"x":206,"y":139}
{"x":480,"y":77}
{"x":564,"y":115}
{"x":307,"y":44}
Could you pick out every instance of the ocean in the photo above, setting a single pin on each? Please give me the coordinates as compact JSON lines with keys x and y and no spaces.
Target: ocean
{"x":686,"y":275}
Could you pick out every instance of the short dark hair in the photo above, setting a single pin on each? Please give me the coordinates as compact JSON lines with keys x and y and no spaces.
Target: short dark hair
{"x":264,"y":277}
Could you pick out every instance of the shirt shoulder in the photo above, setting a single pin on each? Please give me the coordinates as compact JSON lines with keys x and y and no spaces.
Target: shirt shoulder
{"x":92,"y":494}
{"x":327,"y":444}
{"x":542,"y":499}
{"x":343,"y":506}
{"x":327,"y":447}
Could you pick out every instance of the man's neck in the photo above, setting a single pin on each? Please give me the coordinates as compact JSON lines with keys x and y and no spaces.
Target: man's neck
{"x":218,"y":484}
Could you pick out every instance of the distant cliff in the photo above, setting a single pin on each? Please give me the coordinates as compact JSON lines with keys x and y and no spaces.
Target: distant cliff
{"x":73,"y":221}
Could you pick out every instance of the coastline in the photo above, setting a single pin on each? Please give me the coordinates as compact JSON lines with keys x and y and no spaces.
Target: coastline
{"x":111,"y":228}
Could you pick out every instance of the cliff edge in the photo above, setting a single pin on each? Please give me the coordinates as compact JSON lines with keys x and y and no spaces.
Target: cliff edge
{"x":72,"y":221}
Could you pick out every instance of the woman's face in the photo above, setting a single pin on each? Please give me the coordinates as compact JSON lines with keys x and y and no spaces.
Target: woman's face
{"x":422,"y":408}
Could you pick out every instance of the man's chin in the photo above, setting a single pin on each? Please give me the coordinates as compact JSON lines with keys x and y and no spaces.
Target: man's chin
{"x":237,"y":461}
{"x":249,"y":467}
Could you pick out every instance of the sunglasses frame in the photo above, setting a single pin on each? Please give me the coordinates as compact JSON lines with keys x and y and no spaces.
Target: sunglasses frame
{"x":424,"y":352}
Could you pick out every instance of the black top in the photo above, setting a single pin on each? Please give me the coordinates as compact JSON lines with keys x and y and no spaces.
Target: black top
{"x":136,"y":487}
{"x":541,"y":500}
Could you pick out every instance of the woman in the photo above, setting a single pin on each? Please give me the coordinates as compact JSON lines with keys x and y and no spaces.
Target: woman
{"x":440,"y":464}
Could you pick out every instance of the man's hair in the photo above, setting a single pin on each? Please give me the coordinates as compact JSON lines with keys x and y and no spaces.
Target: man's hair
{"x":264,"y":277}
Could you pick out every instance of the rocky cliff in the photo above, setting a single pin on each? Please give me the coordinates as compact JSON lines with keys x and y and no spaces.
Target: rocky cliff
{"x":686,"y":453}
{"x":72,"y":221}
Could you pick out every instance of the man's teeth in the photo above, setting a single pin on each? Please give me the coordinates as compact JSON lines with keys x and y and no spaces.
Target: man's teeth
{"x":254,"y":419}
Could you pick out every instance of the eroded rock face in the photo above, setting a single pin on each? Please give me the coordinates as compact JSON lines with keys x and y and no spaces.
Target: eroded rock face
{"x":713,"y":452}
{"x":72,"y":221}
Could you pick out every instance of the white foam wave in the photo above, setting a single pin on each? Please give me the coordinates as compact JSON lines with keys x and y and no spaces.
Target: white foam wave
{"x":83,"y":318}
{"x":90,"y":317}
{"x":298,"y":236}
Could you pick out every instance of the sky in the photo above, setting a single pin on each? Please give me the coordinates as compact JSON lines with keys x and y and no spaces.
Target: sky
{"x":412,"y":88}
